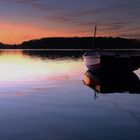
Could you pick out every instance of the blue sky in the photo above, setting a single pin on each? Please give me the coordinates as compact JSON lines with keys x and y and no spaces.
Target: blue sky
{"x":45,"y":18}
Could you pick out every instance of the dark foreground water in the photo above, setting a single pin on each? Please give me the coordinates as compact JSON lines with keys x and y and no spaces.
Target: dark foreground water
{"x":43,"y":98}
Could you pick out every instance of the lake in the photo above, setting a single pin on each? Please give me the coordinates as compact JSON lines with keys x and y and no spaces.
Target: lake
{"x":42,"y":97}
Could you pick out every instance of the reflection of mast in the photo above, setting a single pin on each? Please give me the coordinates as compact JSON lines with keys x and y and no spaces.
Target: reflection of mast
{"x":95,"y":31}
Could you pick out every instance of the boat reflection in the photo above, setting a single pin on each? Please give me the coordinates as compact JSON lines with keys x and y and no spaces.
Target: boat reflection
{"x":91,"y":80}
{"x":108,"y":84}
{"x":112,"y":72}
{"x":111,"y":83}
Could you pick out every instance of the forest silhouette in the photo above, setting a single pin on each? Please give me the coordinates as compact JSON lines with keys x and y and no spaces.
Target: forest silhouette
{"x":76,"y":43}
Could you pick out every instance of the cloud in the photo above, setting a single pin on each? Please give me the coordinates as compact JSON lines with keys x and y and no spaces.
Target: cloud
{"x":79,"y":17}
{"x":109,"y":9}
{"x":37,"y":5}
{"x":113,"y":25}
{"x":130,"y":35}
{"x":58,"y":19}
{"x":104,"y":26}
{"x":51,"y":12}
{"x":26,"y":1}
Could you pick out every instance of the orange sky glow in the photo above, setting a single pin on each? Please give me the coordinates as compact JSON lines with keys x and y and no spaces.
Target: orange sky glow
{"x":12,"y":33}
{"x":17,"y":33}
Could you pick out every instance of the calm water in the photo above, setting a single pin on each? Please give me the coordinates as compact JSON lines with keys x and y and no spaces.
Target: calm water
{"x":43,"y":98}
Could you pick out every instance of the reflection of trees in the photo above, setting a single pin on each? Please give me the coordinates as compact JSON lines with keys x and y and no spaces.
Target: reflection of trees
{"x":53,"y":54}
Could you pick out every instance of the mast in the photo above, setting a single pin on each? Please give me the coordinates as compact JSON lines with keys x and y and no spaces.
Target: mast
{"x":94,"y":37}
{"x":95,"y":31}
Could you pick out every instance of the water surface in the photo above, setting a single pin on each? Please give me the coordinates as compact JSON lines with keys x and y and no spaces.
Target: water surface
{"x":43,"y":97}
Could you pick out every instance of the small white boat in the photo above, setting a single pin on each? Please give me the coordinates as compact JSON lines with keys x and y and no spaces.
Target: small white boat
{"x":92,"y":59}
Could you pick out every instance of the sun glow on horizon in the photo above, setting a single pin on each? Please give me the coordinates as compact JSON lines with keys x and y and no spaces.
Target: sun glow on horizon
{"x":12,"y":33}
{"x":16,"y":33}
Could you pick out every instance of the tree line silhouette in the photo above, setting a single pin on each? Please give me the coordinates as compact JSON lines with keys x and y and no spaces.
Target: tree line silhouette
{"x":76,"y":43}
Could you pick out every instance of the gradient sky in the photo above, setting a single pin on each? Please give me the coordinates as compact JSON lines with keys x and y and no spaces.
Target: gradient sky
{"x":22,"y":20}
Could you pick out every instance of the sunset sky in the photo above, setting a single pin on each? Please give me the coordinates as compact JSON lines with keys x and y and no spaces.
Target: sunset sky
{"x":22,"y":20}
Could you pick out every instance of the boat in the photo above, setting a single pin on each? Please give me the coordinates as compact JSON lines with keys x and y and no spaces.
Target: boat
{"x":97,"y":58}
{"x":92,"y":59}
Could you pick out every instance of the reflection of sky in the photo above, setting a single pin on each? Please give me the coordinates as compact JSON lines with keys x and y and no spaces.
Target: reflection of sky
{"x":17,"y":67}
{"x":28,"y":19}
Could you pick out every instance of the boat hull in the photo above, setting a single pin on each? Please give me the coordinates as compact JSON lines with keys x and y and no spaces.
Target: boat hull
{"x":92,"y":62}
{"x":92,"y":59}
